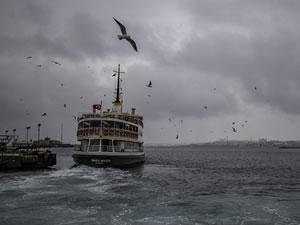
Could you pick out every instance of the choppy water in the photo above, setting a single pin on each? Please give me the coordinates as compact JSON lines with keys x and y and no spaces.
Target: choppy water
{"x":175,"y":186}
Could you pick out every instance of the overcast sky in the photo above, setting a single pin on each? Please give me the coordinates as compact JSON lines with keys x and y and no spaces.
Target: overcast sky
{"x":240,"y":59}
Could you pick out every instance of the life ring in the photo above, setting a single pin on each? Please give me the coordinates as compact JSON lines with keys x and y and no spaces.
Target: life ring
{"x":111,"y":132}
{"x":105,"y":132}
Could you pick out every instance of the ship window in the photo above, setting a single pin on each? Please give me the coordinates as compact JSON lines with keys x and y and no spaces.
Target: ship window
{"x":84,"y":145}
{"x":105,"y":142}
{"x":95,"y":123}
{"x":118,"y":125}
{"x":94,"y":142}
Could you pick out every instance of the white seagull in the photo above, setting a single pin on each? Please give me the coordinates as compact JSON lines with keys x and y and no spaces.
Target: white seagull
{"x":125,"y":35}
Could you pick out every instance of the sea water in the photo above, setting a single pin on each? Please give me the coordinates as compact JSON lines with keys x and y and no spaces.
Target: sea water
{"x":176,"y":185}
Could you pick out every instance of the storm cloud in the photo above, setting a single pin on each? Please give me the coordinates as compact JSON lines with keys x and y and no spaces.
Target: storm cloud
{"x":239,"y":59}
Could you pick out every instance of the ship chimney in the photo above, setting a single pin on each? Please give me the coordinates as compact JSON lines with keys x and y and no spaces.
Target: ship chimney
{"x":132,"y":111}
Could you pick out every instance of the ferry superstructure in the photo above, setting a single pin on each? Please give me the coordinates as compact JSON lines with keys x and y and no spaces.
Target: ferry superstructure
{"x":110,"y":138}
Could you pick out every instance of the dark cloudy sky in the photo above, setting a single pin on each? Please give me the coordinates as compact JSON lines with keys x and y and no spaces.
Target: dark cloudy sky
{"x":197,"y":53}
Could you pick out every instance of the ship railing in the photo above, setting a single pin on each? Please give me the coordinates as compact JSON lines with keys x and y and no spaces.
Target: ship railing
{"x":112,"y":132}
{"x":126,"y":117}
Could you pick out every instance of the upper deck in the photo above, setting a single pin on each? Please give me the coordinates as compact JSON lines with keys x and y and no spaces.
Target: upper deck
{"x":108,"y":125}
{"x":126,"y":117}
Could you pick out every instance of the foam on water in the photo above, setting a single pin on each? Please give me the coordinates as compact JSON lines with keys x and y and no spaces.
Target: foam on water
{"x":188,"y":186}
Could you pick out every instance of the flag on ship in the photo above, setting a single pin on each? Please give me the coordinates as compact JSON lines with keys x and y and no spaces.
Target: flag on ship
{"x":97,"y":106}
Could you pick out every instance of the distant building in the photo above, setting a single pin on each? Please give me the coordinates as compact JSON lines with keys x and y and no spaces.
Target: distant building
{"x":47,"y":142}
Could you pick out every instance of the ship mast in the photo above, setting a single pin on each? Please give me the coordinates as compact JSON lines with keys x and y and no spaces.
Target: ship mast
{"x":117,"y":103}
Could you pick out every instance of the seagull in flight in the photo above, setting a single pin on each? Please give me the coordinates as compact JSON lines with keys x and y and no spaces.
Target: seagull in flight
{"x":55,"y":62}
{"x":29,"y":57}
{"x":38,"y":66}
{"x":125,"y":35}
{"x":65,"y":105}
{"x":150,"y":84}
{"x":44,"y":114}
{"x":177,"y":136}
{"x":233,"y":129}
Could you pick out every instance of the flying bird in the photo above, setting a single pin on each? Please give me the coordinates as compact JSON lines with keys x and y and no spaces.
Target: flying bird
{"x":55,"y":62}
{"x":29,"y":57}
{"x":255,"y":88}
{"x":177,"y":136}
{"x":114,"y":75}
{"x":205,"y":107}
{"x":61,"y":84}
{"x":233,"y":129}
{"x":38,"y":66}
{"x":65,"y":105}
{"x":125,"y":35}
{"x":149,"y":85}
{"x":233,"y":123}
{"x":44,"y":114}
{"x":81,"y":97}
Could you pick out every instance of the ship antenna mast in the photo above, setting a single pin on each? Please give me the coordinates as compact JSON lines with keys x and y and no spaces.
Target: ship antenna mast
{"x":117,"y":102}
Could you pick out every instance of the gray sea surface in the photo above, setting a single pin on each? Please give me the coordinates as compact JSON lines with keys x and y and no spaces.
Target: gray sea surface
{"x":176,"y":185}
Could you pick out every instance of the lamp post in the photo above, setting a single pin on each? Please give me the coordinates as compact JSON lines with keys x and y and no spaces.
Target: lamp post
{"x":39,"y":130}
{"x":27,"y":128}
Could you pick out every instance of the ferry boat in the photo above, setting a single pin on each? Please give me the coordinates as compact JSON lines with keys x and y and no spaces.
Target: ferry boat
{"x":110,"y":138}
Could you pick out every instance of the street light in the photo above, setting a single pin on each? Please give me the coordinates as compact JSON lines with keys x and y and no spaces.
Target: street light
{"x":27,"y":128}
{"x":39,"y":129}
